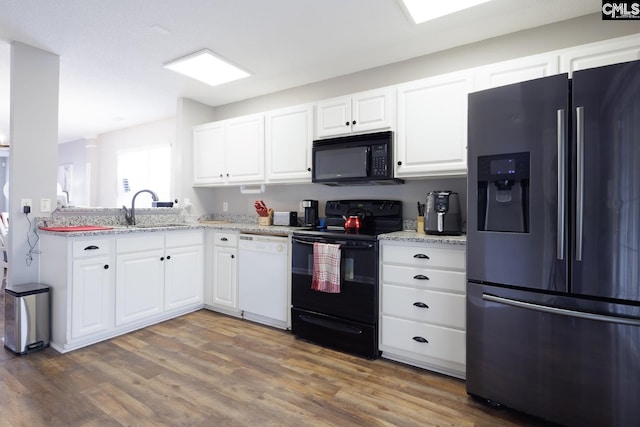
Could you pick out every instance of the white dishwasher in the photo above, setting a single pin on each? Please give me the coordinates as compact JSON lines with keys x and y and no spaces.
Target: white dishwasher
{"x":263,"y":279}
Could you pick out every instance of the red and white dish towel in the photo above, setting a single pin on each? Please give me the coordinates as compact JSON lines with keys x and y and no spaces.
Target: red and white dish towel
{"x":326,"y":268}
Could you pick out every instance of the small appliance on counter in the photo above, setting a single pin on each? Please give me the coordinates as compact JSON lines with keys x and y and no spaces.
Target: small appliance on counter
{"x":310,"y":213}
{"x":443,"y":214}
{"x":285,"y":218}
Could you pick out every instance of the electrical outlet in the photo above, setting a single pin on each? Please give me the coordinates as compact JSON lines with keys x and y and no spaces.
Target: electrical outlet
{"x":26,"y":202}
{"x":225,"y":206}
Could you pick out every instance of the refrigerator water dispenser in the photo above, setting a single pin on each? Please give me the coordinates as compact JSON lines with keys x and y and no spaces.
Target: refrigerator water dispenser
{"x":503,"y":193}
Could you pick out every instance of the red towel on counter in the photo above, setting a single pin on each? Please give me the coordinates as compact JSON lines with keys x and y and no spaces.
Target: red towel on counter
{"x":326,"y":268}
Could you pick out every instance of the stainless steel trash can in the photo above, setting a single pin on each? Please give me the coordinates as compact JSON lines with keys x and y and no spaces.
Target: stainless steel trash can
{"x":26,"y":318}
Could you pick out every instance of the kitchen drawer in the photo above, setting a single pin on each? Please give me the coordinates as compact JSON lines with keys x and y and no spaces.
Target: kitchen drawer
{"x":175,"y":239}
{"x":442,"y":343}
{"x":448,"y":281}
{"x":138,"y":243}
{"x":423,"y":256}
{"x":229,"y":239}
{"x":93,"y":247}
{"x":441,"y":308}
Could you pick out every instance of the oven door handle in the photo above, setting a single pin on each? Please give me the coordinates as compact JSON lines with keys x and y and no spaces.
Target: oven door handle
{"x":342,"y":246}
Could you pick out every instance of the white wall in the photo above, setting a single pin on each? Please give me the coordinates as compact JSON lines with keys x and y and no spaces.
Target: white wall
{"x":158,"y":133}
{"x":34,"y":148}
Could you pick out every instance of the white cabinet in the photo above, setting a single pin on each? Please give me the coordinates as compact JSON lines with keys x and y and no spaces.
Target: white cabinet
{"x":103,"y":287}
{"x":518,"y":70}
{"x":360,"y":112}
{"x":92,"y":287}
{"x":599,"y":54}
{"x":81,"y":274}
{"x":423,"y":305}
{"x":244,"y":144}
{"x":289,"y":138}
{"x":229,"y":151}
{"x":225,"y":272}
{"x":183,"y":269}
{"x":432,"y":126}
{"x":208,"y":154}
{"x":139,"y":277}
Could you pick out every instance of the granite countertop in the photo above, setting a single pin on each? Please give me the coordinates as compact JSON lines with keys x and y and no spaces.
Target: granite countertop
{"x":413,"y":236}
{"x":254,"y":228}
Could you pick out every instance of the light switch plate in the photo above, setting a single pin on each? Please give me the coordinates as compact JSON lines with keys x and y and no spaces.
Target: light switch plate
{"x":45,"y":205}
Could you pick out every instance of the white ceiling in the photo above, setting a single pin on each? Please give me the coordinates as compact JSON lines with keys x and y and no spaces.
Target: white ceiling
{"x":111,"y":52}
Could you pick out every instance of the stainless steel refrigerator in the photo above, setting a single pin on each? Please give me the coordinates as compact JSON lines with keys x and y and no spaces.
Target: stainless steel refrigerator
{"x":553,"y":246}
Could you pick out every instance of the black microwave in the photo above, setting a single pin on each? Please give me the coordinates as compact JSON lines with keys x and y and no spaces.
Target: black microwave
{"x":354,"y":160}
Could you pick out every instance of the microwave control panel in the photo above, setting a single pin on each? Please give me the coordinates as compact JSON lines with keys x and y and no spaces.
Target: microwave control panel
{"x":379,"y":160}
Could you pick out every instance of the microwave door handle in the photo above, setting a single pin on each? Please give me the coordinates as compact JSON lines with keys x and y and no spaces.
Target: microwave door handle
{"x":367,"y":160}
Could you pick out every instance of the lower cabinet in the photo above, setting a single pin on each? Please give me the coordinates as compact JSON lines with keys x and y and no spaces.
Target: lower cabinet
{"x":423,"y":305}
{"x":102,"y":287}
{"x":92,"y":287}
{"x":224,"y":282}
{"x":139,"y":277}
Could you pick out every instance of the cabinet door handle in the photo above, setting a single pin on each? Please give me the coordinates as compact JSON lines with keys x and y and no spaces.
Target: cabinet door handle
{"x":420,"y":277}
{"x":420,"y":339}
{"x":92,"y":248}
{"x":106,"y":266}
{"x":353,"y":122}
{"x":161,"y":258}
{"x":346,"y":124}
{"x":233,"y":256}
{"x":420,"y":304}
{"x":399,"y":163}
{"x":224,"y":239}
{"x":308,"y":169}
{"x":421,"y":256}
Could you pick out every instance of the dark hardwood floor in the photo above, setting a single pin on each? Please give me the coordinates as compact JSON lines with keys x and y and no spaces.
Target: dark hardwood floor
{"x":206,"y":369}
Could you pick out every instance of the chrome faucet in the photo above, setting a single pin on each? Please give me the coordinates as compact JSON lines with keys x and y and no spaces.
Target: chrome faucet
{"x":130,"y":215}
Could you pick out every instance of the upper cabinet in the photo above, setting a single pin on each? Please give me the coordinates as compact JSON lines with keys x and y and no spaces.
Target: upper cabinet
{"x":208,"y":154}
{"x":600,"y":54}
{"x":518,"y":70}
{"x":229,"y":151}
{"x":360,"y":112}
{"x":289,"y":137}
{"x":432,"y":126}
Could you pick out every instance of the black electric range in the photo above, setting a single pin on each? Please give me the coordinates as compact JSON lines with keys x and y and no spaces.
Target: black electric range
{"x":377,"y":217}
{"x":347,"y":320}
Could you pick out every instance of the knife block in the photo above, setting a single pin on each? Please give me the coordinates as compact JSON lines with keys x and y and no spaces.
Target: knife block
{"x":265,"y":220}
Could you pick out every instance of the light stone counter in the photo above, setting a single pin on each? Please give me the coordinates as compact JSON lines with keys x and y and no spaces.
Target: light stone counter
{"x":413,"y":236}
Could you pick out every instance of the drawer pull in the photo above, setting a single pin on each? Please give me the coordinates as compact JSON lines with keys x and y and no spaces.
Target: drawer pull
{"x":420,"y":304}
{"x":224,"y":239}
{"x":420,"y":339}
{"x":421,"y":256}
{"x":92,"y":248}
{"x":420,"y":277}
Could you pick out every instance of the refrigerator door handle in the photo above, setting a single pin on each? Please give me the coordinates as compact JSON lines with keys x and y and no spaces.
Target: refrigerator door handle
{"x":561,"y":184}
{"x":561,"y":311}
{"x":579,"y":180}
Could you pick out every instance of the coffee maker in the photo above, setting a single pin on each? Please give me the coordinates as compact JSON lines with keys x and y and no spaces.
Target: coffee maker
{"x":310,"y":212}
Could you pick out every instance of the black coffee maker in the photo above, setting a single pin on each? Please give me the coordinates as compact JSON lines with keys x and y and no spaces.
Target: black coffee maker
{"x":310,"y":212}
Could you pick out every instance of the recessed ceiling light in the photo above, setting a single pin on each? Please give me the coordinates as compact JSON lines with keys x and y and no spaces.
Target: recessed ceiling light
{"x":207,"y":67}
{"x":421,"y":10}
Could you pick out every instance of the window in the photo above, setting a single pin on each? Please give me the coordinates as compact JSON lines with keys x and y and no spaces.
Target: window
{"x":143,"y":168}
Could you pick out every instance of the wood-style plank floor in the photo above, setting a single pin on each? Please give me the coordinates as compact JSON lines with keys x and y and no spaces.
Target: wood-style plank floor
{"x":207,"y":369}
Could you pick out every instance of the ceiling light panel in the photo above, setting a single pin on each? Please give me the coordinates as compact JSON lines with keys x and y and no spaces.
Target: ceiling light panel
{"x":426,"y":10}
{"x":207,"y":67}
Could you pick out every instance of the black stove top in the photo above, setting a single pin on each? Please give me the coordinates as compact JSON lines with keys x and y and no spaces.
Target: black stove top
{"x":377,"y":217}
